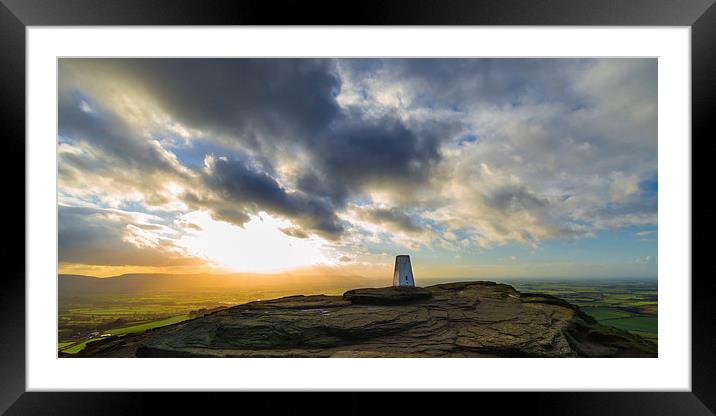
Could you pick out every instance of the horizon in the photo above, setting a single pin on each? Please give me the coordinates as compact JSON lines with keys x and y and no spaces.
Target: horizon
{"x":428,"y":278}
{"x":498,"y":168}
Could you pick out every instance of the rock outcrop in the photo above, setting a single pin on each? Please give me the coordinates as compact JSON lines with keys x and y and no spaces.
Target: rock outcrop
{"x":387,"y":295}
{"x":472,"y":319}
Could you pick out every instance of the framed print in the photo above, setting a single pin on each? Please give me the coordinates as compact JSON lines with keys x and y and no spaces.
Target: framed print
{"x":471,"y":199}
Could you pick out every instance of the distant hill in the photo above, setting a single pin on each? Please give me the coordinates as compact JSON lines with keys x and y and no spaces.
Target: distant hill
{"x":78,"y":285}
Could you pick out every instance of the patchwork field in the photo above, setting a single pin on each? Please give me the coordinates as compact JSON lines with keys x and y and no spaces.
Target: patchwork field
{"x":631,"y":305}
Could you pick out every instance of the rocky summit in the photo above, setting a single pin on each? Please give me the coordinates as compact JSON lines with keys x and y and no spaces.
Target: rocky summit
{"x":471,"y":319}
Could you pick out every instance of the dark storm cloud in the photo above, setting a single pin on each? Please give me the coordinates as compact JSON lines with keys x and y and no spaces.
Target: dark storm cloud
{"x":392,"y":218}
{"x":313,"y":181}
{"x":247,"y":190}
{"x":382,"y":150}
{"x":355,"y":154}
{"x":239,"y":97}
{"x":270,"y":101}
{"x":344,"y":158}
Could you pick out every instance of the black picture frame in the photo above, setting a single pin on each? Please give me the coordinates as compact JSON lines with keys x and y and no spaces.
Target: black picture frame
{"x":16,"y":15}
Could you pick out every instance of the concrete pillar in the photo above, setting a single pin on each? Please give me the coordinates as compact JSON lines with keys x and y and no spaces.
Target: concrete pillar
{"x":403,"y":274}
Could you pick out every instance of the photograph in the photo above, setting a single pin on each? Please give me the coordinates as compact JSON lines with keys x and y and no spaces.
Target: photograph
{"x":357,"y":207}
{"x":234,"y":197}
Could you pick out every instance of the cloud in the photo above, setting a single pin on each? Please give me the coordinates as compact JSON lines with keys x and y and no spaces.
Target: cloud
{"x":264,"y":109}
{"x":392,"y":218}
{"x":456,"y":154}
{"x":236,"y":190}
{"x":376,"y":152}
{"x":239,"y":98}
{"x":117,"y":238}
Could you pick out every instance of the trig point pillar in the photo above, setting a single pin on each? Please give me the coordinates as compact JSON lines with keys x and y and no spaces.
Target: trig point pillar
{"x":403,"y":274}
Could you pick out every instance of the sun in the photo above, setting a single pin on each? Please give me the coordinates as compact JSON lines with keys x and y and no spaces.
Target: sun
{"x":259,"y":246}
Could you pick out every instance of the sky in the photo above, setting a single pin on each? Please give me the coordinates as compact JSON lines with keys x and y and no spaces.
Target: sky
{"x":473,"y":167}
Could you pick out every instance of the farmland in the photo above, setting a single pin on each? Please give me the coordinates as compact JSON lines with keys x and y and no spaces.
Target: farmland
{"x":631,"y":305}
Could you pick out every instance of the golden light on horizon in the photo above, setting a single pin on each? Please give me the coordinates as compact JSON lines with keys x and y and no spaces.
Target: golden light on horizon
{"x":258,"y":247}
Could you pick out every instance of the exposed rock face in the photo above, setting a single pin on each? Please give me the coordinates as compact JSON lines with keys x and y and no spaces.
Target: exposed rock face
{"x":387,"y":295}
{"x":474,"y":319}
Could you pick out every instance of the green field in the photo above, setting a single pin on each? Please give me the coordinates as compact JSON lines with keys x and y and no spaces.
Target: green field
{"x":603,"y":313}
{"x":77,"y":347}
{"x":73,"y":347}
{"x":149,"y":325}
{"x":631,"y":305}
{"x":645,"y":324}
